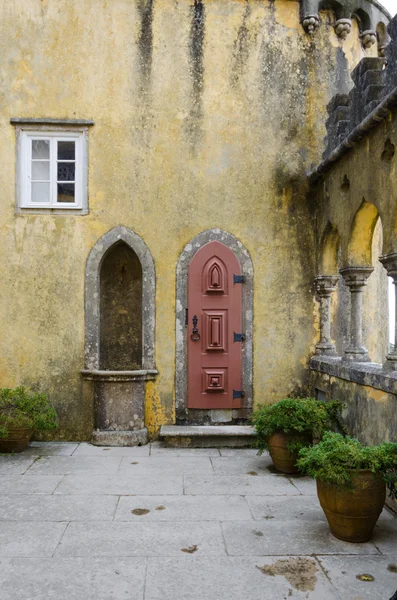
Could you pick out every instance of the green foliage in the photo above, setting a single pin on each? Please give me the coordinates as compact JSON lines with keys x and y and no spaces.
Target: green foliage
{"x":20,"y":407}
{"x":336,"y":458}
{"x":304,"y":415}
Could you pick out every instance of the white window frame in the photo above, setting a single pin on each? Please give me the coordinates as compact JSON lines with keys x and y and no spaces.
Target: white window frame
{"x":25,"y":135}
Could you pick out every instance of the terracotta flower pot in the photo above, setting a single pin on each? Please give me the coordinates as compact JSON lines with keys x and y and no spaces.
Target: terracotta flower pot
{"x":17,"y":440}
{"x":352,"y":515}
{"x":283,"y":459}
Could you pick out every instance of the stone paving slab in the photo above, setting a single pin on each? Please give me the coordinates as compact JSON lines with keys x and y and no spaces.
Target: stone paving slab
{"x":57,"y":508}
{"x":141,"y":539}
{"x":250,"y":464}
{"x":121,"y":485}
{"x":305,"y":485}
{"x":303,"y":508}
{"x":239,"y":452}
{"x":85,"y":449}
{"x":385,"y":536}
{"x":344,"y":570}
{"x":51,"y":448}
{"x":29,"y":539}
{"x":177,"y":466}
{"x":65,"y":465}
{"x":72,"y":579}
{"x":194,"y":578}
{"x":29,"y":484}
{"x":284,"y":537}
{"x":15,"y":464}
{"x":183,"y":508}
{"x":238,"y":484}
{"x":158,"y":449}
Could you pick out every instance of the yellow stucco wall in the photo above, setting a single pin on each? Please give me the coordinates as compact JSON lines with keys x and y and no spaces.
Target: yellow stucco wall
{"x":168,"y":159}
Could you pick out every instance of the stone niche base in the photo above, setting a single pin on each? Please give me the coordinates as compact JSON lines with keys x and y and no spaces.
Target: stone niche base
{"x":119,"y":438}
{"x":119,"y":406}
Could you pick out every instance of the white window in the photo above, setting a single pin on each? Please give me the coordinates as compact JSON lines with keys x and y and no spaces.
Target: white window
{"x":52,"y":170}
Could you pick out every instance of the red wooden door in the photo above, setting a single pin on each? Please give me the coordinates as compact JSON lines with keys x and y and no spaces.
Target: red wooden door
{"x":214,"y":360}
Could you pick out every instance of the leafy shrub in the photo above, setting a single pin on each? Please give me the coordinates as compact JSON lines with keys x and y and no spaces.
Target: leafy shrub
{"x":336,"y":459}
{"x":303,"y":415}
{"x":20,"y":407}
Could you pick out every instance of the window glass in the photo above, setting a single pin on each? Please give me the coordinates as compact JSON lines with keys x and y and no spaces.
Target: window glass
{"x":66,"y":192}
{"x":41,"y":149}
{"x":40,"y":170}
{"x":66,"y":171}
{"x":40,"y":192}
{"x":66,"y":150}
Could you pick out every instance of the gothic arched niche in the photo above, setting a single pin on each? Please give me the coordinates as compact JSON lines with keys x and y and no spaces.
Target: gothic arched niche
{"x":120,"y":346}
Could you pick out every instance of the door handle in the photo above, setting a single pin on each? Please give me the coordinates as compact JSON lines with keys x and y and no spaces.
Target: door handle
{"x":195,"y":336}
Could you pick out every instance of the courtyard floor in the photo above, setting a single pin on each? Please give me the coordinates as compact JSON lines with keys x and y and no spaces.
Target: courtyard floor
{"x":79,"y":522}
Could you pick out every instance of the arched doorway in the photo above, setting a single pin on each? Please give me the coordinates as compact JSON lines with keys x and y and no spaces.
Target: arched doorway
{"x":204,"y":271}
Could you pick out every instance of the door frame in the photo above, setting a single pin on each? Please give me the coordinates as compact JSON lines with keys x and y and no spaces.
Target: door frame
{"x":181,"y":365}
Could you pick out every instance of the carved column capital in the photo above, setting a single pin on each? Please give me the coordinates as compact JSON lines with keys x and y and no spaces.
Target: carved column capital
{"x":343,"y":28}
{"x":368,"y":38}
{"x":310,"y":23}
{"x":326,"y":284}
{"x":389,"y":261}
{"x":356,"y":277}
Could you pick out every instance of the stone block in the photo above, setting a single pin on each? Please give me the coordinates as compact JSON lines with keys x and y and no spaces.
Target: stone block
{"x":121,"y":485}
{"x":120,"y":438}
{"x":29,"y":539}
{"x":57,"y":508}
{"x":239,"y":484}
{"x":64,"y":465}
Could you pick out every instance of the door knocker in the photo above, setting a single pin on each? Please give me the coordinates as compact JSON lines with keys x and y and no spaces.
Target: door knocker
{"x":195,"y":336}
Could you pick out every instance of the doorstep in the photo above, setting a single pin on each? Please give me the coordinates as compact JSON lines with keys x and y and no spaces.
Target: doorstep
{"x":207,"y":436}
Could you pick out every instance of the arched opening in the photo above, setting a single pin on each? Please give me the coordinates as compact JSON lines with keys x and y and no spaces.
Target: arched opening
{"x":120,"y":346}
{"x":329,"y":250}
{"x":359,"y":250}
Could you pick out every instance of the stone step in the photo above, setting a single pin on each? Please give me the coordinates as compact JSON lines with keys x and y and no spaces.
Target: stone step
{"x":202,"y":436}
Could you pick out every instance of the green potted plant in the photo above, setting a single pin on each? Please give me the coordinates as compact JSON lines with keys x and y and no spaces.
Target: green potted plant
{"x":289,"y":425}
{"x":23,"y":412}
{"x":351,"y":482}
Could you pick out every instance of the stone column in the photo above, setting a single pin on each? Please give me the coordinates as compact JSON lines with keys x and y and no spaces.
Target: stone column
{"x":390,"y":263}
{"x":356,"y":279}
{"x":325,"y":286}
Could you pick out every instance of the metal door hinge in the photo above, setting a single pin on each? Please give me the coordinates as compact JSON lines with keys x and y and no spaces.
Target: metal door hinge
{"x":238,"y":279}
{"x":238,"y":337}
{"x":238,"y":394}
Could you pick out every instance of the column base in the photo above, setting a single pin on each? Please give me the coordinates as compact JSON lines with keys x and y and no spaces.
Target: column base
{"x":390,"y":363}
{"x":356,"y":355}
{"x":138,"y":437}
{"x":325,"y":349}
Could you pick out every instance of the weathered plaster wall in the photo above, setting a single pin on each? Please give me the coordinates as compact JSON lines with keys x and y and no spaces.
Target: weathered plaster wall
{"x":206,"y":115}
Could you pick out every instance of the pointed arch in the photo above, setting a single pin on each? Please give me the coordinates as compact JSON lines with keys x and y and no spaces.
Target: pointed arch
{"x":359,"y":250}
{"x":182,"y":271}
{"x":329,"y":251}
{"x":92,"y":295}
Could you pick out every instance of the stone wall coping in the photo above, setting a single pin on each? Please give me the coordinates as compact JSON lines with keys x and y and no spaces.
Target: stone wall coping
{"x":380,"y":113}
{"x":102,"y":375}
{"x":369,"y":374}
{"x":50,"y":121}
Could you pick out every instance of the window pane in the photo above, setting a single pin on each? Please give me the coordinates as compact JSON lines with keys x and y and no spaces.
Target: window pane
{"x":65,"y":192}
{"x":41,"y":192}
{"x":66,"y":171}
{"x":40,"y":148}
{"x":40,"y":170}
{"x":66,"y":150}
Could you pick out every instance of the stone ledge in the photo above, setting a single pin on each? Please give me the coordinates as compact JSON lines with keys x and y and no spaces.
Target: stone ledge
{"x":203,"y":436}
{"x":138,"y":375}
{"x":138,"y":437}
{"x":369,"y":374}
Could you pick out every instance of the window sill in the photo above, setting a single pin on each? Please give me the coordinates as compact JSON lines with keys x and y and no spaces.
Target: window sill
{"x":368,"y":374}
{"x":138,"y":375}
{"x":51,"y":211}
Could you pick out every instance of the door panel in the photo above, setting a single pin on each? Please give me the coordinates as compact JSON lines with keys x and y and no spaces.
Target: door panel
{"x":214,"y":360}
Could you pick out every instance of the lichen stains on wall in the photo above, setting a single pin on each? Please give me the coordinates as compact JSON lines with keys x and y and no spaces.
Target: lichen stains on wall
{"x":207,"y":114}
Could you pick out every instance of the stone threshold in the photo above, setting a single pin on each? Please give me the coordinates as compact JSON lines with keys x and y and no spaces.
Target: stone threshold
{"x":369,"y":374}
{"x":207,"y":436}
